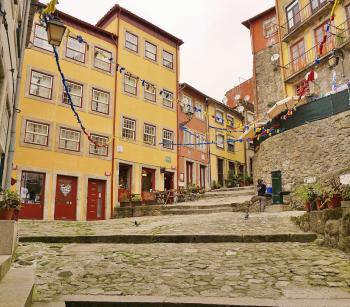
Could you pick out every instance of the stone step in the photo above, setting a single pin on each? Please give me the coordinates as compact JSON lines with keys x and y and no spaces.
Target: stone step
{"x":277,"y":208}
{"x":196,"y":206}
{"x":5,"y":264}
{"x":16,"y":288}
{"x":195,"y":211}
{"x":229,"y":193}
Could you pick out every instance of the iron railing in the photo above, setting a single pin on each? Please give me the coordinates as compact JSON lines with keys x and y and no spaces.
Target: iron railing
{"x":300,"y":17}
{"x":335,"y":39}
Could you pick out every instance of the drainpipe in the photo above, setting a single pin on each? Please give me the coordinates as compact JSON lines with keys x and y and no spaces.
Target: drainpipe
{"x":114,"y":118}
{"x":177,"y":117}
{"x":280,"y":48}
{"x":11,"y":151}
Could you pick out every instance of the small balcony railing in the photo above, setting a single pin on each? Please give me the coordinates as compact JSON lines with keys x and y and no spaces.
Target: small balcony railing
{"x":336,"y":38}
{"x":299,"y":18}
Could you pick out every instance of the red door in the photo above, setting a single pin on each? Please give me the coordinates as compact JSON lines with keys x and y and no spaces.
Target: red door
{"x":66,"y":198}
{"x":32,"y":195}
{"x":96,"y":200}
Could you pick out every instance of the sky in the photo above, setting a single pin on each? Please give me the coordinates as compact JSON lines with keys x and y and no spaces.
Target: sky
{"x":216,"y":54}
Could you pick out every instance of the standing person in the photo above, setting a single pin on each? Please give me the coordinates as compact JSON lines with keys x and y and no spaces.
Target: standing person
{"x":261,"y":187}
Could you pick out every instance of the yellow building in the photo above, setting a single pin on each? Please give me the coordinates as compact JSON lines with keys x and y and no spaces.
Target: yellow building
{"x":122,"y":75}
{"x":147,"y":93}
{"x":303,"y":26}
{"x":226,"y":154}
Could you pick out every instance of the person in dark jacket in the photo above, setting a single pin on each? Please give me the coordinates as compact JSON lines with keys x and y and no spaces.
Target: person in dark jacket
{"x":261,"y":187}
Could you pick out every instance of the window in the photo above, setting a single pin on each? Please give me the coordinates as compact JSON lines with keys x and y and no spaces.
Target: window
{"x":298,"y":55}
{"x":149,"y":92}
{"x":187,"y":104}
{"x":187,"y":137}
{"x":130,"y":84}
{"x":32,"y":188}
{"x":40,"y":38}
{"x":293,"y":14}
{"x":150,"y":51}
{"x":269,"y":27}
{"x":230,"y":121}
{"x":131,"y":41}
{"x":220,"y":139}
{"x":230,"y":145}
{"x":149,"y":134}
{"x":100,"y":101}
{"x":319,"y":34}
{"x":103,"y":59}
{"x":41,"y":85}
{"x":76,"y":93}
{"x":168,"y":139}
{"x":101,"y":150}
{"x":219,"y":117}
{"x":69,"y":139}
{"x":317,"y":4}
{"x":199,"y":111}
{"x":168,"y":98}
{"x":75,"y":49}
{"x":167,"y":59}
{"x":201,"y":140}
{"x":36,"y":133}
{"x":129,"y":128}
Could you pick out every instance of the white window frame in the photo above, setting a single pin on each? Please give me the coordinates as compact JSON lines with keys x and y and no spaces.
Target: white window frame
{"x":129,"y":44}
{"x":79,"y":96}
{"x":201,"y":139}
{"x":98,"y":150}
{"x":129,"y":128}
{"x":231,"y":144}
{"x":149,"y":92}
{"x":149,"y":138}
{"x":199,"y":114}
{"x":130,"y":87}
{"x":230,"y":119}
{"x":187,"y":137}
{"x":187,"y":104}
{"x":151,"y":54}
{"x":102,"y":59}
{"x":219,"y":144}
{"x":166,"y":61}
{"x":222,"y":117}
{"x":66,"y":140}
{"x":168,"y":139}
{"x":75,"y":52}
{"x":168,"y":101}
{"x":95,"y":102}
{"x":38,"y":85}
{"x":269,"y":27}
{"x":36,"y":134}
{"x":39,"y":40}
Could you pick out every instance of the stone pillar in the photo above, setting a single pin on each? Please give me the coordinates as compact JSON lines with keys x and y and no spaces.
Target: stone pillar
{"x":8,"y":237}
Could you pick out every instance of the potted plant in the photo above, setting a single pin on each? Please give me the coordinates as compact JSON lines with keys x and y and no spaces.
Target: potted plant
{"x":305,"y":194}
{"x":232,"y":179}
{"x":9,"y":203}
{"x":136,"y":199}
{"x":334,"y":192}
{"x":345,"y":189}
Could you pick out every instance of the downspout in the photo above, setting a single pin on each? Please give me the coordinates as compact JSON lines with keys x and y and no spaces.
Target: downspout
{"x":254,"y":72}
{"x":11,"y":151}
{"x":114,"y":117}
{"x":177,"y":117}
{"x":209,"y":154}
{"x":280,"y":48}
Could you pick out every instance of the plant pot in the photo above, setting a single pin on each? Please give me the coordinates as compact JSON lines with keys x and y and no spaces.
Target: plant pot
{"x":308,"y":206}
{"x":6,"y":214}
{"x":318,"y":203}
{"x":136,"y":203}
{"x":334,"y":201}
{"x":345,"y":203}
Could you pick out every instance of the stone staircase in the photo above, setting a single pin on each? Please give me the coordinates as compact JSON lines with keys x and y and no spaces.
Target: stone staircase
{"x":210,"y":202}
{"x":16,"y":285}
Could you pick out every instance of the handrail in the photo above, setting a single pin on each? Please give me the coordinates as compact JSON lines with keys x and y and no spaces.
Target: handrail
{"x":334,"y":40}
{"x":303,"y":14}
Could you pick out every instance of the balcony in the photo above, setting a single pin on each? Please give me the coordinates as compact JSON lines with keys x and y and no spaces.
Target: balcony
{"x":338,"y":37}
{"x":302,"y":18}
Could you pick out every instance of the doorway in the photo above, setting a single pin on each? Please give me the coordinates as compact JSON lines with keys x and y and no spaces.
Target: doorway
{"x":189,"y":173}
{"x":221,"y":172}
{"x":125,"y":180}
{"x":202,"y":176}
{"x":148,"y":183}
{"x":32,"y":195}
{"x":168,"y":181}
{"x":96,"y":200}
{"x":66,"y":198}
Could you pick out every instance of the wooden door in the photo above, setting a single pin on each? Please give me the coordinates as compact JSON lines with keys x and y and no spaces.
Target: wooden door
{"x":66,"y":198}
{"x":125,"y":180}
{"x":189,"y":173}
{"x":298,"y":56}
{"x":202,"y":176}
{"x":148,"y":184}
{"x":221,"y":172}
{"x":32,"y":195}
{"x":96,"y":200}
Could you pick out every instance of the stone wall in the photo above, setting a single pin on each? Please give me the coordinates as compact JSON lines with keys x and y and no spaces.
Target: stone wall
{"x":333,"y":226}
{"x":316,"y":149}
{"x":269,"y":84}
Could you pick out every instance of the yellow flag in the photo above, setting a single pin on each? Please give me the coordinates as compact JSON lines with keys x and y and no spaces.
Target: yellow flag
{"x":51,"y":7}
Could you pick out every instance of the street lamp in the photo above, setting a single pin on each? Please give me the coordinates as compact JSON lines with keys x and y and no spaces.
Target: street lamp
{"x":55,"y":31}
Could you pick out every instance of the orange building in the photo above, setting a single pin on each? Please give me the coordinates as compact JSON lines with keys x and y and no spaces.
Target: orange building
{"x":243,"y":91}
{"x":193,"y":160}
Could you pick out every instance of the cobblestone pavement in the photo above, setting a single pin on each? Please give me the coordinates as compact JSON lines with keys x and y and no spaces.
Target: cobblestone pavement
{"x":218,"y":223}
{"x":264,"y":270}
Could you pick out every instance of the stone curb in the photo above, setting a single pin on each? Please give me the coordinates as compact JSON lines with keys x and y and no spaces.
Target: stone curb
{"x":174,"y":238}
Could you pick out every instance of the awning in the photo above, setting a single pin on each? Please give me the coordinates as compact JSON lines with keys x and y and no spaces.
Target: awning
{"x":284,"y":105}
